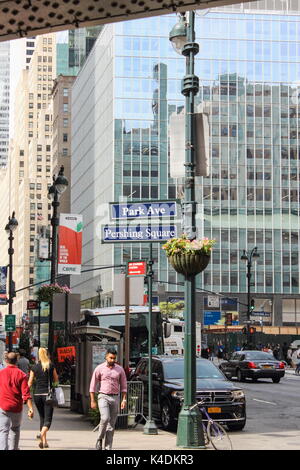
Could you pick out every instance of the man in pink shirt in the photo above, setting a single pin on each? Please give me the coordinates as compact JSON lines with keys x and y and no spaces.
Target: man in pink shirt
{"x":112,"y":380}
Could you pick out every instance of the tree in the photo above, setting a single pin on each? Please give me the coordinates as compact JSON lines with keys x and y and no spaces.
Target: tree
{"x":171,"y":310}
{"x":24,"y":343}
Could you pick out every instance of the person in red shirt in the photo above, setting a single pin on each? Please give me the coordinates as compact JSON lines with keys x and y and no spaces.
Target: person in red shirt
{"x":14,"y":391}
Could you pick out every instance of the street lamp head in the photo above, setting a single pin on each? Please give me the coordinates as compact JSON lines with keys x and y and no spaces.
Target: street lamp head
{"x":61,"y":181}
{"x":12,"y":224}
{"x":51,"y":192}
{"x":178,"y":34}
{"x":244,"y":257}
{"x":255,"y":255}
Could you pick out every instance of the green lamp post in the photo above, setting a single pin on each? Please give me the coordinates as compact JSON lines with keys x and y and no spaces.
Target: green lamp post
{"x":190,"y":431}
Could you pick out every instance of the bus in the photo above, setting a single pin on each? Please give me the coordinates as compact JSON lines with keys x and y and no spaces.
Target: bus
{"x":174,"y":331}
{"x":114,"y":318}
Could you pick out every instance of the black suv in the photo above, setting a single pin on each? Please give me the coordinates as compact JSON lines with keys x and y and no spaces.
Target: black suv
{"x":224,"y":401}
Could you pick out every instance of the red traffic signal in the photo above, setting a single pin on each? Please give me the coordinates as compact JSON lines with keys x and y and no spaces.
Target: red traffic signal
{"x":251,"y":330}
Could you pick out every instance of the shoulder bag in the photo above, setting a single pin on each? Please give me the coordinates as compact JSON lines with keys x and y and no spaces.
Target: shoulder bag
{"x":51,"y":396}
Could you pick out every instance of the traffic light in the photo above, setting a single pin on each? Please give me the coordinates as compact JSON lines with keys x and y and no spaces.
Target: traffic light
{"x":252,"y":305}
{"x":251,"y":330}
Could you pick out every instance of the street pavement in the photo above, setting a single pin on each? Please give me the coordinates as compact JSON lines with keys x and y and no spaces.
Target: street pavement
{"x":72,"y":431}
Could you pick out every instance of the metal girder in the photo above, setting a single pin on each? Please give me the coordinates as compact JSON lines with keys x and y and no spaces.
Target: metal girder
{"x":21,"y":18}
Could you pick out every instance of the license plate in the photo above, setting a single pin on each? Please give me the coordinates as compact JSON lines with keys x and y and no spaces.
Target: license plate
{"x":214,"y":410}
{"x":267,"y":367}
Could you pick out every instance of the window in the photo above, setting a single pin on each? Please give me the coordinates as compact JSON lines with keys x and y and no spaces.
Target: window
{"x":65,"y":137}
{"x":66,"y":92}
{"x":65,"y":154}
{"x":66,"y":107}
{"x":65,"y":122}
{"x":32,"y":227}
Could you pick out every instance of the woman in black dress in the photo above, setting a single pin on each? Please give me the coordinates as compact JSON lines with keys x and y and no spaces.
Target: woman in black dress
{"x":45,"y":376}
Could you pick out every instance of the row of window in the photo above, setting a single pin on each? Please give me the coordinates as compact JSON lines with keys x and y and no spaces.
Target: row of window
{"x":261,"y":280}
{"x":255,"y":152}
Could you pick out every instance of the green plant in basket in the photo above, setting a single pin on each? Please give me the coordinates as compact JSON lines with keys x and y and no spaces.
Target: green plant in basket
{"x":177,"y":246}
{"x":188,"y":257}
{"x":46,"y":291}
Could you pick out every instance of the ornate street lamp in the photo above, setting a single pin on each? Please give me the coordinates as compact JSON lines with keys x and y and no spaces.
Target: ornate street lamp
{"x":10,"y":228}
{"x":249,"y":259}
{"x":190,"y":431}
{"x":60,"y":184}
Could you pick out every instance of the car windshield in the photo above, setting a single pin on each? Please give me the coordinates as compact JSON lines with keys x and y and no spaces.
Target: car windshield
{"x":259,"y":355}
{"x":205,"y":370}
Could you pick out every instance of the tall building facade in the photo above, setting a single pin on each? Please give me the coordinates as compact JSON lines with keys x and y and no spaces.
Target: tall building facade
{"x":31,"y":163}
{"x":4,"y":102}
{"x":248,"y":66}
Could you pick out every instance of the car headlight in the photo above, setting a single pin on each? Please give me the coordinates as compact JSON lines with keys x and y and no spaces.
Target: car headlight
{"x":238,"y":394}
{"x":177,"y":394}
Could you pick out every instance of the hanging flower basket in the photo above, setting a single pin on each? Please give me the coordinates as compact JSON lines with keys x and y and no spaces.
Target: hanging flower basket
{"x":188,"y":257}
{"x":188,"y":264}
{"x":45,"y":292}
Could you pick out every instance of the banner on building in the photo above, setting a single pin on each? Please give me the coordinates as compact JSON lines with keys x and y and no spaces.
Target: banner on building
{"x":3,"y":279}
{"x":70,"y":244}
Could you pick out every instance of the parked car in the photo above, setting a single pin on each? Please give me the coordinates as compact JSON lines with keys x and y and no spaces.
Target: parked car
{"x":254,"y":365}
{"x":224,"y":401}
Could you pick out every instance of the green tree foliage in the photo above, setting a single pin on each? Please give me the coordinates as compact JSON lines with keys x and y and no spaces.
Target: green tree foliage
{"x":171,"y":310}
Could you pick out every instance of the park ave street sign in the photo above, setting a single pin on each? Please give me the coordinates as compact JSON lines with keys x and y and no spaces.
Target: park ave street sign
{"x":143,"y":210}
{"x":138,"y":233}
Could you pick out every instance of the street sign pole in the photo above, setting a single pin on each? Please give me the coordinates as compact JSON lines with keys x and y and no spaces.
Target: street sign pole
{"x":150,"y":426}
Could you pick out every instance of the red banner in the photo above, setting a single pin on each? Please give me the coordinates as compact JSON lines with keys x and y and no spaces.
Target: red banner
{"x":70,"y":244}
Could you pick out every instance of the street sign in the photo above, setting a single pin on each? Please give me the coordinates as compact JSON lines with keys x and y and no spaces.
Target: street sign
{"x":138,"y":233}
{"x":213,"y":301}
{"x":33,"y":304}
{"x":136,"y":268}
{"x":142,"y":210}
{"x":10,"y":323}
{"x":260,"y":314}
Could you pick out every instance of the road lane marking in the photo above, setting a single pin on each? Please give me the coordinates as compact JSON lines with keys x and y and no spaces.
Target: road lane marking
{"x":263,"y":401}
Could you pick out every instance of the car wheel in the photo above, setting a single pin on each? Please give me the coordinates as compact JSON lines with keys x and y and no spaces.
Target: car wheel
{"x":254,"y":379}
{"x":276,"y":380}
{"x":240,"y":376}
{"x":166,"y":417}
{"x":236,"y":427}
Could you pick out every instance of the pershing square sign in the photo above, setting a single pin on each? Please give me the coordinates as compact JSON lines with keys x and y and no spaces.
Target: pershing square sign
{"x":70,"y":244}
{"x":138,"y":233}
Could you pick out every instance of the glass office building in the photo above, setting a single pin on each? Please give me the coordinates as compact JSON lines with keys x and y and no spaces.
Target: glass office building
{"x":249,"y":70}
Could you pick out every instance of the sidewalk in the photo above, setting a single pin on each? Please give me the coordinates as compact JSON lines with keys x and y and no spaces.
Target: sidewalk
{"x":72,"y":431}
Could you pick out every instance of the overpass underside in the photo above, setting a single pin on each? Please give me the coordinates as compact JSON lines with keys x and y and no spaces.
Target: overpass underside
{"x":21,"y":18}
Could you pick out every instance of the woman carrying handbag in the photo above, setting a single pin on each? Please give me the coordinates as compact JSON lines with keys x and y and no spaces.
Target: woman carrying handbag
{"x":45,"y":376}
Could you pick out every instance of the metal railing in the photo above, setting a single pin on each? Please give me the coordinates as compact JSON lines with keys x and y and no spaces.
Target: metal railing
{"x":134,"y":406}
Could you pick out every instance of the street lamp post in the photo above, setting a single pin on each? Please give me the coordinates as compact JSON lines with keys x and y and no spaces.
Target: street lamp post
{"x":190,"y":431}
{"x":99,"y":291}
{"x":249,"y":258}
{"x":59,"y":185}
{"x":10,"y":228}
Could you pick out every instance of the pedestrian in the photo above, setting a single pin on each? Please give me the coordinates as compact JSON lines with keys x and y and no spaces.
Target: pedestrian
{"x":284,"y":350}
{"x":45,"y":376}
{"x":14,"y":391}
{"x":289,"y":357}
{"x":112,"y":380}
{"x":23,"y":363}
{"x":276,"y":352}
{"x":3,"y":363}
{"x":296,"y":360}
